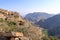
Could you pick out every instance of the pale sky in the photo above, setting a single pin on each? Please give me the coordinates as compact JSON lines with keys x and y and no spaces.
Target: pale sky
{"x":28,"y":6}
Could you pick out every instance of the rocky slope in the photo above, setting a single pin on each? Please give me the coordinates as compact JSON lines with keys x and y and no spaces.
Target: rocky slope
{"x":12,"y":21}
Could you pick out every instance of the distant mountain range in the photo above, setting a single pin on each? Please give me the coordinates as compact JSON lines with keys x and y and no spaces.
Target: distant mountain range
{"x":52,"y":24}
{"x":47,"y":21}
{"x":37,"y":16}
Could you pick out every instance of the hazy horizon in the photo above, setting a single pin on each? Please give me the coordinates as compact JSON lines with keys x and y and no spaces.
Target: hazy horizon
{"x":29,"y":6}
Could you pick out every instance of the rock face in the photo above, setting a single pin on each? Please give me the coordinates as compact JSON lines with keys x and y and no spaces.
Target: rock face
{"x":12,"y":22}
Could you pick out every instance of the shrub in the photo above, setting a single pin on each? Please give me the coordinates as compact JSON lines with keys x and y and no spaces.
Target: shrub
{"x":11,"y":23}
{"x":1,"y":20}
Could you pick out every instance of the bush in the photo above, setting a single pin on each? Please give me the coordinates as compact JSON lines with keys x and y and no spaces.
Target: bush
{"x":45,"y":32}
{"x":11,"y":23}
{"x":54,"y":38}
{"x":1,"y":20}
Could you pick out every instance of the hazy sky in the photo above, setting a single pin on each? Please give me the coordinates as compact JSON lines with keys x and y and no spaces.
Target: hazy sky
{"x":27,"y":6}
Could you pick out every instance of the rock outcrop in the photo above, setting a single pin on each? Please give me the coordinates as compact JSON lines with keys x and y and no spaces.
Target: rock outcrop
{"x":12,"y":36}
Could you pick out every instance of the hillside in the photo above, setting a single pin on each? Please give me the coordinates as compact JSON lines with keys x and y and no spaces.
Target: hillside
{"x":37,"y":16}
{"x":12,"y":22}
{"x":52,"y":24}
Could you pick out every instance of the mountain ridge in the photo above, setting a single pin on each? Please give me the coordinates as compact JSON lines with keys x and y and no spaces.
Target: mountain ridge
{"x":36,"y":16}
{"x":52,"y":24}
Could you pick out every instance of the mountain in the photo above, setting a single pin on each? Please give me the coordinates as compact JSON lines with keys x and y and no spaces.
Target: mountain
{"x":37,"y":16}
{"x":53,"y":21}
{"x":12,"y":22}
{"x":52,"y":24}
